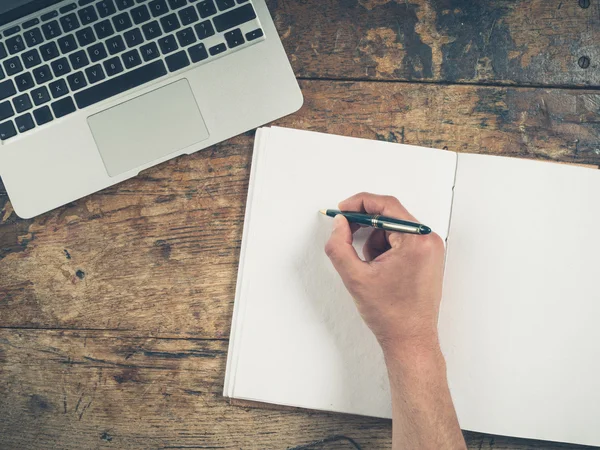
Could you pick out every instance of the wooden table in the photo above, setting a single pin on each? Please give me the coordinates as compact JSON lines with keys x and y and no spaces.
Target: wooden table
{"x":115,"y":310}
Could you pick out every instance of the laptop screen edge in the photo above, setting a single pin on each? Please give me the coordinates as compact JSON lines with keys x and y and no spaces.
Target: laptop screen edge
{"x":26,"y":9}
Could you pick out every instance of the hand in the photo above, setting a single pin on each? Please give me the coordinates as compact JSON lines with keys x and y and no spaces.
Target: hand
{"x":398,"y":288}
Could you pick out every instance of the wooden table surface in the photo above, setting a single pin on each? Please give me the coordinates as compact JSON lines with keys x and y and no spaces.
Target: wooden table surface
{"x":115,"y":310}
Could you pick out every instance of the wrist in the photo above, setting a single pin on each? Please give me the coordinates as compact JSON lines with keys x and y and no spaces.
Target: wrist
{"x":415,"y":353}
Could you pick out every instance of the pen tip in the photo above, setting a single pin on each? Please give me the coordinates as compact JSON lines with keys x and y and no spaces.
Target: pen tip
{"x":323,"y":211}
{"x":425,"y":230}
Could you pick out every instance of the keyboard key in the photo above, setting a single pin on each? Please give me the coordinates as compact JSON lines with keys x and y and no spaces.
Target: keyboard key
{"x":24,"y":123}
{"x":113,"y":66}
{"x":177,"y":61}
{"x":204,"y":29}
{"x":3,"y":53}
{"x":87,"y":15}
{"x":168,"y":44}
{"x":186,"y":37}
{"x":30,"y":23}
{"x":158,"y":7}
{"x":122,"y":22}
{"x":151,"y":30}
{"x":188,"y":15}
{"x":79,"y":59}
{"x":7,"y":130}
{"x":15,"y":44}
{"x":49,"y":15}
{"x":40,"y":95}
{"x":58,"y":88}
{"x":106,"y":8}
{"x":11,"y":31}
{"x":33,"y":37}
{"x":124,"y":4}
{"x":6,"y":110}
{"x":51,"y":29}
{"x":132,"y":59}
{"x":49,"y":51}
{"x":217,"y":49}
{"x":149,"y":51}
{"x":85,"y":37}
{"x":97,"y":52}
{"x":42,"y":74}
{"x":225,"y":4}
{"x":234,"y":18}
{"x":7,"y":89}
{"x":67,"y":44}
{"x":31,"y":58}
{"x":198,"y":53}
{"x":13,"y":66}
{"x":43,"y":115}
{"x":176,"y":4}
{"x":24,"y":82}
{"x":122,"y":83}
{"x":69,"y":23}
{"x":234,"y":38}
{"x":254,"y":34}
{"x":140,"y":14}
{"x":22,"y":103}
{"x":115,"y":45}
{"x":60,"y":67}
{"x":206,"y":8}
{"x":2,"y":75}
{"x":76,"y":81}
{"x":104,"y":29}
{"x":63,"y":107}
{"x":65,"y":9}
{"x":133,"y":37}
{"x":170,"y":23}
{"x":95,"y":74}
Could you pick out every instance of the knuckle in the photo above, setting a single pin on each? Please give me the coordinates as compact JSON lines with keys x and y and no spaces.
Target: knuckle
{"x":391,"y":200}
{"x":429,"y":245}
{"x":330,"y":249}
{"x":435,"y":241}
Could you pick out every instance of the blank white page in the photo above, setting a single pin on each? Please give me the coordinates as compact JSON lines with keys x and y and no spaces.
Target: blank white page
{"x":297,"y":338}
{"x":521,"y":303}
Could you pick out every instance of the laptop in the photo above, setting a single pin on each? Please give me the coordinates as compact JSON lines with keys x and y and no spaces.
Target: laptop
{"x":92,"y":92}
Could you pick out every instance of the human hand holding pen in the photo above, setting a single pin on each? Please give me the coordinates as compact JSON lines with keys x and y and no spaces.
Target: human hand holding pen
{"x":397,"y":291}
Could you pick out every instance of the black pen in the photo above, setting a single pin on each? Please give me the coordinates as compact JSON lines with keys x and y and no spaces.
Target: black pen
{"x":385,"y":223}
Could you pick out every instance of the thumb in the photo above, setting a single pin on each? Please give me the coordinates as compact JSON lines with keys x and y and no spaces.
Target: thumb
{"x":340,"y":250}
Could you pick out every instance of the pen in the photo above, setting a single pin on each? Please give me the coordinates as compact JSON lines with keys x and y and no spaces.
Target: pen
{"x":385,"y":223}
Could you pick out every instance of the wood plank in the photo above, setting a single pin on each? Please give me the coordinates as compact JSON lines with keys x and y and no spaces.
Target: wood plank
{"x":520,"y":42}
{"x":73,"y":390}
{"x":159,"y":253}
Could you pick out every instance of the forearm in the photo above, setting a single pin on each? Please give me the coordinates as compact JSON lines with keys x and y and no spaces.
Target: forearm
{"x":423,"y":413}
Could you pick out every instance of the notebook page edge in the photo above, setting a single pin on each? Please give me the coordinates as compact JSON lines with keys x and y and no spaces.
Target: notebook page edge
{"x":261,"y":138}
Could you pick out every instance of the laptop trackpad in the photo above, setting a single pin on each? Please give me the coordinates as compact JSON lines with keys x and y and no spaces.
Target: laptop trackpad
{"x":148,"y":128}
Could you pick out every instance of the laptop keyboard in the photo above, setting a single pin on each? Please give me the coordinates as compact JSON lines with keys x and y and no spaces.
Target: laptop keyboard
{"x":86,"y":52}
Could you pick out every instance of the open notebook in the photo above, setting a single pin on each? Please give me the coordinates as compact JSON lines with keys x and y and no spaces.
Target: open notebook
{"x":521,"y":301}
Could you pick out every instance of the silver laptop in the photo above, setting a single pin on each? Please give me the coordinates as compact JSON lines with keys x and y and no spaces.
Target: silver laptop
{"x":92,"y":92}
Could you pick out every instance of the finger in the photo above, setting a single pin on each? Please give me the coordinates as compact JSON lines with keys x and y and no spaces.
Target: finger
{"x":375,"y":245}
{"x":354,"y":227}
{"x":341,"y":252}
{"x":384,"y":205}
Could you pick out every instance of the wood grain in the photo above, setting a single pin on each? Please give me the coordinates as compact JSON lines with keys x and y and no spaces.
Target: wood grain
{"x":158,"y":253}
{"x":92,"y":389}
{"x":520,"y":42}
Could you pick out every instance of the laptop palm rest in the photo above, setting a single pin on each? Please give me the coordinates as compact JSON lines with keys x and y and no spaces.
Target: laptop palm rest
{"x":148,"y":128}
